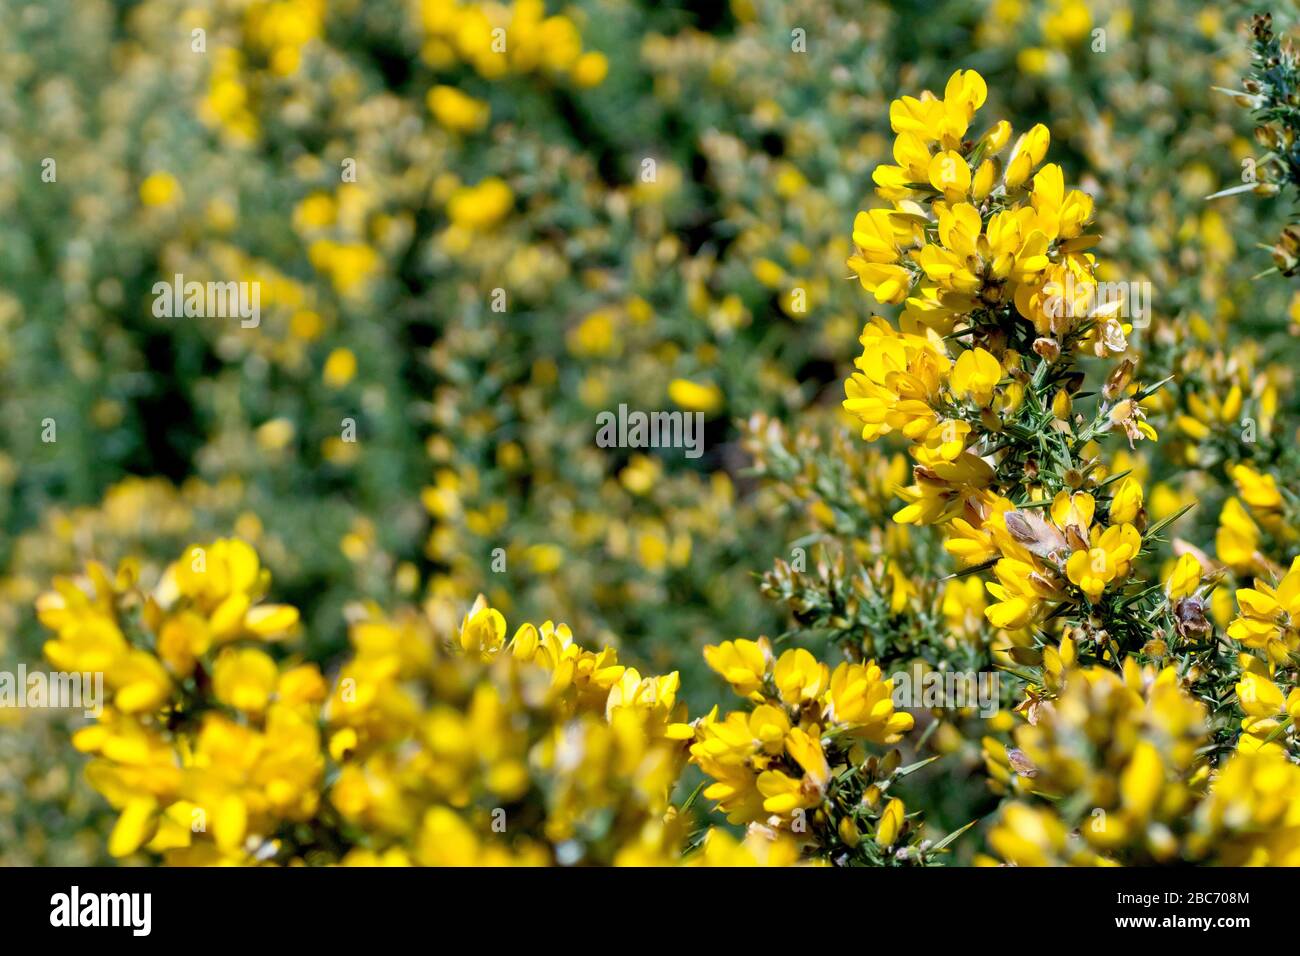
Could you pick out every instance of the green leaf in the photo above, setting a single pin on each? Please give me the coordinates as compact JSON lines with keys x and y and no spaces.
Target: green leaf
{"x":1159,"y":526}
{"x":914,"y":767}
{"x":951,"y":837}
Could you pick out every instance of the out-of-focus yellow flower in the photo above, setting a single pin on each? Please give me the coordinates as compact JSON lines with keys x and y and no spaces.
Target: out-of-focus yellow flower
{"x":340,"y":368}
{"x":696,"y":397}
{"x":244,"y":678}
{"x":160,"y":189}
{"x":1236,"y":542}
{"x":590,"y":69}
{"x":458,"y":111}
{"x":482,"y":206}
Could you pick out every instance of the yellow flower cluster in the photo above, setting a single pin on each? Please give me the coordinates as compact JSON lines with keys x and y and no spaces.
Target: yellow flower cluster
{"x":1267,"y":624}
{"x":476,"y":750}
{"x":990,"y":257}
{"x":279,"y":29}
{"x":1255,"y":523}
{"x":203,"y":731}
{"x":337,"y":227}
{"x":969,"y":234}
{"x":1255,"y":509}
{"x":794,"y":761}
{"x":1121,"y":760}
{"x":271,"y":37}
{"x":981,"y":375}
{"x":1252,"y":815}
{"x":538,"y":712}
{"x":498,"y":40}
{"x":1117,"y":749}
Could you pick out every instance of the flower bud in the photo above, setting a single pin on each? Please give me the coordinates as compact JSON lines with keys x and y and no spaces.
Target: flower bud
{"x":849,"y":832}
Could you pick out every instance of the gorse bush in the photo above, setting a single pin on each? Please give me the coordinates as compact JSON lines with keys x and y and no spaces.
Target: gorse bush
{"x":991,"y":550}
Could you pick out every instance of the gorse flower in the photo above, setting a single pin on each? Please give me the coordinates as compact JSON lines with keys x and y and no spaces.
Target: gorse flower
{"x":981,"y":376}
{"x":773,"y":766}
{"x":1270,"y":617}
{"x":422,"y":749}
{"x":1000,"y":298}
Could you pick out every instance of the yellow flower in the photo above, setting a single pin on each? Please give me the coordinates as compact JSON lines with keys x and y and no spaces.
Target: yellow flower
{"x":949,"y":174}
{"x":1265,"y":707}
{"x":1058,"y":214}
{"x":134,"y":826}
{"x":943,"y":120}
{"x":1184,"y":579}
{"x":244,"y":679}
{"x":1257,"y":489}
{"x":860,"y":700}
{"x":784,"y":794}
{"x":725,"y":750}
{"x":943,"y":489}
{"x":480,"y":207}
{"x":316,"y":211}
{"x":140,"y":682}
{"x":653,"y":700}
{"x":876,"y":237}
{"x":222,"y":581}
{"x":696,"y":397}
{"x":743,"y":664}
{"x":349,"y":265}
{"x":1269,"y":617}
{"x":1126,"y":502}
{"x":274,"y":435}
{"x":340,"y":368}
{"x":1029,"y":836}
{"x":160,"y":189}
{"x":483,"y":630}
{"x":1028,"y":152}
{"x":1106,"y":559}
{"x":721,"y":849}
{"x":800,"y":678}
{"x":1022,"y":593}
{"x":806,"y":749}
{"x":590,"y":69}
{"x":891,"y":823}
{"x":1237,"y":540}
{"x":975,"y":375}
{"x":898,"y":379}
{"x":595,"y":336}
{"x":457,"y":111}
{"x":1141,"y":782}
